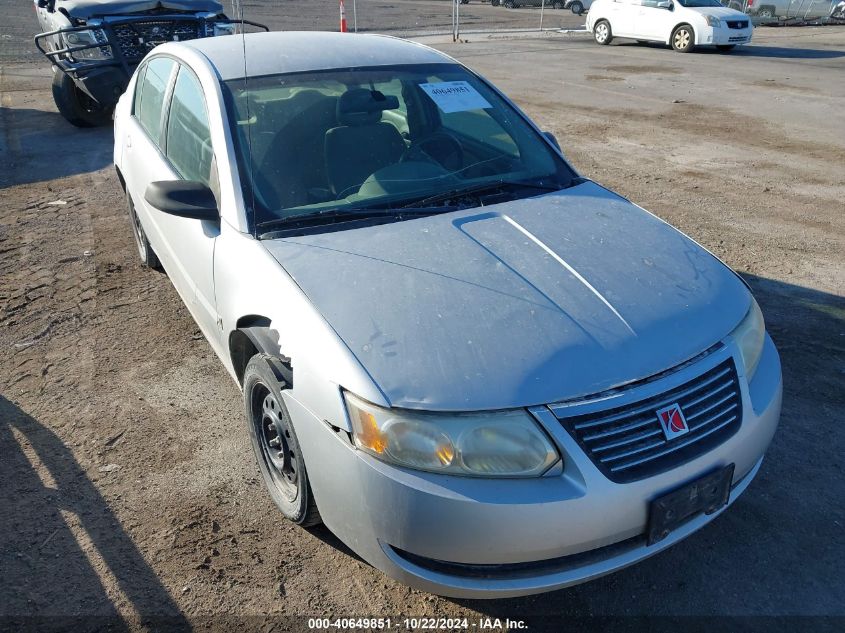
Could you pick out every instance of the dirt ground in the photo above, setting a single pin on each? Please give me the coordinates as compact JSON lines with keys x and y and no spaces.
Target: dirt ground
{"x":127,"y":485}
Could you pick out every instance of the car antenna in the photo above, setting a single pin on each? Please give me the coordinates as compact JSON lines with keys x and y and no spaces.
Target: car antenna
{"x":238,"y":8}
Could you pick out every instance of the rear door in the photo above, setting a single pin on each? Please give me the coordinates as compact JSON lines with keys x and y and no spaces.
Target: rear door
{"x":167,"y":138}
{"x":621,"y":15}
{"x":144,"y":160}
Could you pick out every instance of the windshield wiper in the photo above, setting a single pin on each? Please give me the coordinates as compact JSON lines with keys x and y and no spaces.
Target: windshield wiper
{"x":481,"y":188}
{"x":343,"y":214}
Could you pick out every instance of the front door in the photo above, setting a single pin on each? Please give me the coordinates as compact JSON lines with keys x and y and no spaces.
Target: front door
{"x":654,"y":23}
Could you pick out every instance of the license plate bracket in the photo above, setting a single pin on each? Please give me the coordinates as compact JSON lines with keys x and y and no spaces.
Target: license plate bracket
{"x":705,"y":495}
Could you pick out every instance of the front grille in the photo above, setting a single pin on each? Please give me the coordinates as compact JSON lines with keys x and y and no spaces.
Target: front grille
{"x":737,"y":39}
{"x":737,"y":24}
{"x":136,"y":39}
{"x":627,"y":442}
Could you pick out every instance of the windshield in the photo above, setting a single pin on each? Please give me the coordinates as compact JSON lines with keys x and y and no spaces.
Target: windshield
{"x":699,"y":4}
{"x":364,"y":138}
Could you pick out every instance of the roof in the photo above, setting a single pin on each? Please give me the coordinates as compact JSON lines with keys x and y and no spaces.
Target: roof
{"x":304,"y":51}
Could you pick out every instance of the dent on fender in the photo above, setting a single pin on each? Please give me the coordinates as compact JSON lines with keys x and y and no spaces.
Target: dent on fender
{"x":259,"y":337}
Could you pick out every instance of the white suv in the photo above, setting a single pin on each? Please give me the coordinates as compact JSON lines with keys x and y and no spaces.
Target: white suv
{"x":684,"y":24}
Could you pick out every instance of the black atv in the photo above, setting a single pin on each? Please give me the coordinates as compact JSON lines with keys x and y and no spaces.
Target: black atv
{"x":95,"y":45}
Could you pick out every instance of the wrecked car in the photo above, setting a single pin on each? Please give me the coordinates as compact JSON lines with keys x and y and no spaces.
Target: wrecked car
{"x":488,"y":375}
{"x":94,"y":46}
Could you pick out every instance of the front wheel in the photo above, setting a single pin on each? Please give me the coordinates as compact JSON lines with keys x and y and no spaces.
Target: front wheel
{"x":726,"y":47}
{"x":509,"y":4}
{"x":576,"y":7}
{"x":74,"y":105}
{"x":683,"y":38}
{"x":275,"y":444}
{"x":602,"y":33}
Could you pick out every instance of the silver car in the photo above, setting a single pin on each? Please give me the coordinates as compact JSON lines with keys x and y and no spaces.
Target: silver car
{"x":486,"y":374}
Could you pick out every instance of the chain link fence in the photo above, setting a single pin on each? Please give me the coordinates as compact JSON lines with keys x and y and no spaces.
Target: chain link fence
{"x":462,"y":18}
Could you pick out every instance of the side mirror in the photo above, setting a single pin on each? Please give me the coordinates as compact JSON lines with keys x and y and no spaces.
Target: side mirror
{"x":664,"y":4}
{"x":552,"y":139}
{"x":183,"y":198}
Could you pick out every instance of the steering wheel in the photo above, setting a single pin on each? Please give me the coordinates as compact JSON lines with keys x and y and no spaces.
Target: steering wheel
{"x":440,"y":147}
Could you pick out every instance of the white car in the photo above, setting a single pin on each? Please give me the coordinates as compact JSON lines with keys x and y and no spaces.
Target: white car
{"x":684,"y":24}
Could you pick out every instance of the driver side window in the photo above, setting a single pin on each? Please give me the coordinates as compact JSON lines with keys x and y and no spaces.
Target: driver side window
{"x":188,"y":135}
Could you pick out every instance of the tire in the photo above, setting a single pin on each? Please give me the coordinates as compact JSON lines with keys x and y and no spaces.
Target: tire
{"x":509,"y":4}
{"x":725,"y":47}
{"x":576,"y":7}
{"x":74,"y":105}
{"x":148,"y":257}
{"x":494,"y":3}
{"x":683,"y":38}
{"x":766,"y":12}
{"x":602,"y":33}
{"x":275,"y":445}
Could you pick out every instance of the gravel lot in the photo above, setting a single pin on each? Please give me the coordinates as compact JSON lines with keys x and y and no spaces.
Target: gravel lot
{"x":128,"y":485}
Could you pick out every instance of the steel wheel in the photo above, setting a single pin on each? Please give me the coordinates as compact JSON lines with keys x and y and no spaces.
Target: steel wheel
{"x":272,"y":427}
{"x":145,"y":251}
{"x":138,"y":233}
{"x":274,"y":442}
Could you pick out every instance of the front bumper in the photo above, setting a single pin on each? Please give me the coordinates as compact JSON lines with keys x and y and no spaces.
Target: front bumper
{"x":724,"y":36}
{"x":105,"y":79}
{"x":465,"y":537}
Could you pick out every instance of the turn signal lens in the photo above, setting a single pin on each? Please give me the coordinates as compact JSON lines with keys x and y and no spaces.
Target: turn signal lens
{"x":368,"y":432}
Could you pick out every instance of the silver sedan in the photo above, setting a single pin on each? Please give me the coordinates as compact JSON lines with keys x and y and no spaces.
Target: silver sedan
{"x":486,"y":374}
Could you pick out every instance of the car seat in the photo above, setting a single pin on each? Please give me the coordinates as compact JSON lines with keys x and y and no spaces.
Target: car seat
{"x":362,"y":143}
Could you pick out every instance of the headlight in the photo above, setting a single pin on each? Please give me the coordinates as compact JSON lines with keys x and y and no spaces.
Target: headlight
{"x":713,"y":21}
{"x":89,"y":36}
{"x":497,"y":444}
{"x":749,"y":336}
{"x":224,"y":28}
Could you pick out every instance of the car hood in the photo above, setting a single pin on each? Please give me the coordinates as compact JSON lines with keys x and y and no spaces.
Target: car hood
{"x":527,"y":302}
{"x":91,"y":8}
{"x":724,"y":13}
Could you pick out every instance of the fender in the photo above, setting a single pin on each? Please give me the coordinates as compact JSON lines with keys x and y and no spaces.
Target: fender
{"x":263,"y":339}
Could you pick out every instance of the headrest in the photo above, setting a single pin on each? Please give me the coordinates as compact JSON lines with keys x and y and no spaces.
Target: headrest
{"x":360,"y":106}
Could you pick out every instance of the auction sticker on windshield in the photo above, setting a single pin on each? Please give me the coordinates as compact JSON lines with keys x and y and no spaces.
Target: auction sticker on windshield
{"x":455,"y":96}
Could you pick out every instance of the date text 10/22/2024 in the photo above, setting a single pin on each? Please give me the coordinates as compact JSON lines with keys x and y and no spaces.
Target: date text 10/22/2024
{"x":415,"y":624}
